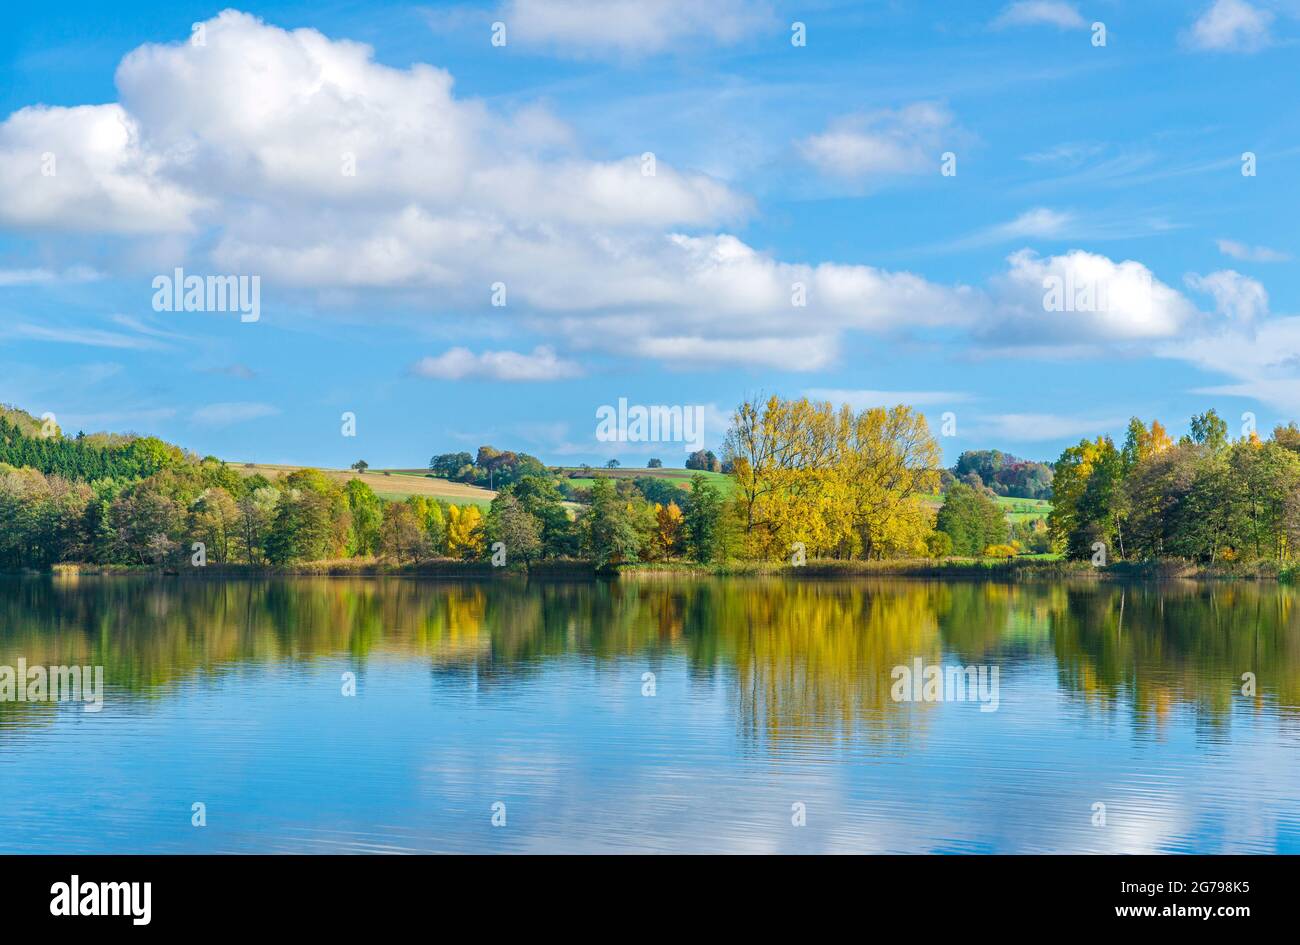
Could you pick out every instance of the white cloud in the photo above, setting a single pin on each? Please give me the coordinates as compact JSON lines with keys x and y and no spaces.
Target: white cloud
{"x":1246,"y":253}
{"x":603,"y":28}
{"x":1102,"y":300}
{"x":1231,"y":26}
{"x":246,"y":140}
{"x":225,"y":414}
{"x":87,"y":169}
{"x":257,"y":127}
{"x":1260,"y":356}
{"x":907,"y":141}
{"x":1039,"y":13}
{"x":1262,"y":360}
{"x":862,"y":399}
{"x":1236,"y":296}
{"x":459,"y":363}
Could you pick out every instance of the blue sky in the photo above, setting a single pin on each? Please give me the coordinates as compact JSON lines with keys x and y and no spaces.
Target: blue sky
{"x":774,"y":165}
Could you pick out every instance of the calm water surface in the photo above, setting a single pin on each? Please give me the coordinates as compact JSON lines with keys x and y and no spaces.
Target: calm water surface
{"x":767,"y":694}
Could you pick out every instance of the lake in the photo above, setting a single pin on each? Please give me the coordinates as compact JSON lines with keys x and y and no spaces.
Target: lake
{"x":654,"y":715}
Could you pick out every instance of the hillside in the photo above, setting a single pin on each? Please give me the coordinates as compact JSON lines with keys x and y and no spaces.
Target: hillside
{"x":583,"y":478}
{"x":387,"y":483}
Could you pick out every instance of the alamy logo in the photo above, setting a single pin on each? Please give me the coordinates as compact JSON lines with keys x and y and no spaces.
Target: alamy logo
{"x":1075,"y":292}
{"x":103,"y":899}
{"x":181,"y":293}
{"x":655,"y":424}
{"x":23,"y":683}
{"x":936,"y":683}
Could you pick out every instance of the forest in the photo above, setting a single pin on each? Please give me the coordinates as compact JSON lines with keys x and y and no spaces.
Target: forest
{"x":805,"y":481}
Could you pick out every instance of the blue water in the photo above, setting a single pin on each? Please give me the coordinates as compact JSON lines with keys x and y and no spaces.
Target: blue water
{"x":768,"y":694}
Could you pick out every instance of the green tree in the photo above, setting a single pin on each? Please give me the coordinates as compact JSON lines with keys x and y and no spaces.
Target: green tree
{"x":541,"y":498}
{"x":1209,"y":429}
{"x":704,"y":520}
{"x":367,"y":517}
{"x":608,"y":533}
{"x":972,"y":519}
{"x":401,"y":534}
{"x":514,"y":526}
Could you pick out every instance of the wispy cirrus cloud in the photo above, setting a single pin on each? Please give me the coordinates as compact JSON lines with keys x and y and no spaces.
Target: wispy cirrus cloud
{"x":226,"y":414}
{"x":862,"y":399}
{"x":42,"y":276}
{"x":1039,"y":13}
{"x":1070,"y":154}
{"x":70,"y":335}
{"x":586,"y":29}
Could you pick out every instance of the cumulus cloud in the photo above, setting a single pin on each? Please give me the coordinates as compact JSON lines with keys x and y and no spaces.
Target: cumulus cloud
{"x":1246,"y":253}
{"x":602,"y":28}
{"x":1084,"y":296}
{"x":457,"y":364}
{"x":883,"y":143}
{"x":299,"y":158}
{"x":87,"y":169}
{"x":1231,"y":26}
{"x":296,"y":122}
{"x":1039,"y":13}
{"x":1236,"y":296}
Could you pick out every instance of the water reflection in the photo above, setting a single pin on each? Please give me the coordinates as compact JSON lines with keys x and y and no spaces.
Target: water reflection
{"x":1138,"y":687}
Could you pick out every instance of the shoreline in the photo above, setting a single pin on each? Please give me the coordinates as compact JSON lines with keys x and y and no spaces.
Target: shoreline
{"x":948,"y":569}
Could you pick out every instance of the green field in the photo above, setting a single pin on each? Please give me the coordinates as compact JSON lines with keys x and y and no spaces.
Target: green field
{"x":584,"y":478}
{"x":1017,"y":510}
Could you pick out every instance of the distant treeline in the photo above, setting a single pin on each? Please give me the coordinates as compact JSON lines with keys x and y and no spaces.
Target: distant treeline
{"x":1003,"y":474}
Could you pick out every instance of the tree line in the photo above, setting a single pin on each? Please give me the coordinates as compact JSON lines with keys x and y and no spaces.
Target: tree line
{"x":807,"y":479}
{"x":1206,"y":497}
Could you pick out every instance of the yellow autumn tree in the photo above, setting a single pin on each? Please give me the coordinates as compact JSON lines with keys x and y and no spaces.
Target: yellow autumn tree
{"x":464,"y":531}
{"x":670,"y":530}
{"x":839,"y":483}
{"x":779,"y":451}
{"x":886,"y":460}
{"x":1142,"y":442}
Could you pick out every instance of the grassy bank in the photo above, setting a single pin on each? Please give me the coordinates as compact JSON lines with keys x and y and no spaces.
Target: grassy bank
{"x":1015,"y":569}
{"x":1025,"y":568}
{"x":342,"y":567}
